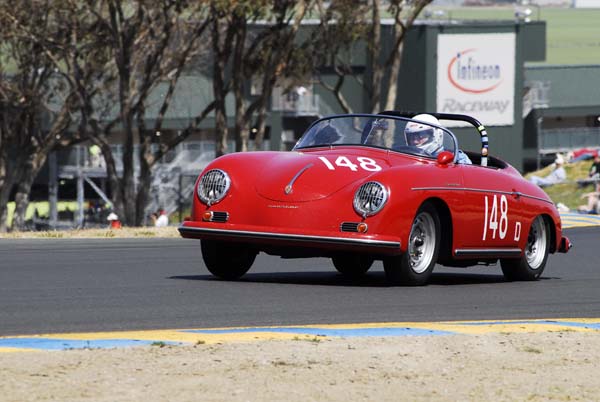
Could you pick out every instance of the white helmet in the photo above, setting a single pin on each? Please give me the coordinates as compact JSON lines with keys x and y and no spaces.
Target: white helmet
{"x":424,"y":136}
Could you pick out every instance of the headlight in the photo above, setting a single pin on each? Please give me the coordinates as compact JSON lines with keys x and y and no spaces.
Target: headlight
{"x":213,"y":186}
{"x":370,"y":198}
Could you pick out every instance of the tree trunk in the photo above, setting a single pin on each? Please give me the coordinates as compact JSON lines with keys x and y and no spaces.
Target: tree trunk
{"x":261,"y":126}
{"x":113,"y":177}
{"x":392,"y":87}
{"x":374,"y":45}
{"x":242,"y":132}
{"x":220,"y":129}
{"x":22,"y":198}
{"x":126,"y":188}
{"x":3,"y":189}
{"x":6,"y":184}
{"x":219,"y":65}
{"x":14,"y":167}
{"x":145,"y":179}
{"x":129,"y":185}
{"x":31,"y":168}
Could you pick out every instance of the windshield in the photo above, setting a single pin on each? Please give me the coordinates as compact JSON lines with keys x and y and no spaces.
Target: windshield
{"x":394,"y":133}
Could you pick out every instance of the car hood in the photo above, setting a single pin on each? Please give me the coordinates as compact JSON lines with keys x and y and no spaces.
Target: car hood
{"x":299,"y":177}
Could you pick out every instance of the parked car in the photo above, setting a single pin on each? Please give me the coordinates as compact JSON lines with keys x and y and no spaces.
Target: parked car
{"x":356,"y":189}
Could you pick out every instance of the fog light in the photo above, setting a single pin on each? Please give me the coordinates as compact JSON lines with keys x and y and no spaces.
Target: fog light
{"x":362,"y":227}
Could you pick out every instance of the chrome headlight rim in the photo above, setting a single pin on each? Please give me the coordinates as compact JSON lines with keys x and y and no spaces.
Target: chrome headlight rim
{"x":359,"y":201}
{"x":200,"y":191}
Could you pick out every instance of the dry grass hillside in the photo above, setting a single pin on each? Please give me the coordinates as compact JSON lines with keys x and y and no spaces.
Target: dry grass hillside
{"x":569,"y":193}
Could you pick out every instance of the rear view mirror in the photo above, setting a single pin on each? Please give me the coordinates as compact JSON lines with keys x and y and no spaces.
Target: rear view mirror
{"x":445,"y":157}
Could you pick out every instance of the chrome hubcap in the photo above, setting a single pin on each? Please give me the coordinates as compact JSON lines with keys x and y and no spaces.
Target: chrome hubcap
{"x":421,"y":242}
{"x":536,"y":243}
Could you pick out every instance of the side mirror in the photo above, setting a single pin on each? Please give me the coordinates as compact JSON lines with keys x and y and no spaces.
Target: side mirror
{"x":445,"y":157}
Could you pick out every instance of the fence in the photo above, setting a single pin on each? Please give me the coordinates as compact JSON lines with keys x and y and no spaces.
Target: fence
{"x":568,"y":139}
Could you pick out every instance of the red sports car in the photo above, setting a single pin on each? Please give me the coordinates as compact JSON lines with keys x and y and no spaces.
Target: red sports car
{"x":358,"y":188}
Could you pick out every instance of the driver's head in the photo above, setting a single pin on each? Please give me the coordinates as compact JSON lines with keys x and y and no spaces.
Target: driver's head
{"x":424,"y":136}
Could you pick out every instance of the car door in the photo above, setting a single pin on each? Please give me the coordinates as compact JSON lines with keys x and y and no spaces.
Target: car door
{"x":492,"y":215}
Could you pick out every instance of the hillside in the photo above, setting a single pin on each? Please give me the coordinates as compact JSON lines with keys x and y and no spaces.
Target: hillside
{"x":570,"y":192}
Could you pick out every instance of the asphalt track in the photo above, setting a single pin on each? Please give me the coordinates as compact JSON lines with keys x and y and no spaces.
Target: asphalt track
{"x":59,"y":286}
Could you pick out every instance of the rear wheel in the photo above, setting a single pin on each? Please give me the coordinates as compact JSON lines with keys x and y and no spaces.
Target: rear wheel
{"x":227,"y":260}
{"x":531,"y":265}
{"x":416,"y":265}
{"x":352,"y":266}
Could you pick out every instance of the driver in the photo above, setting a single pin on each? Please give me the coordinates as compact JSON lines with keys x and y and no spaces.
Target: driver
{"x":429,"y":138}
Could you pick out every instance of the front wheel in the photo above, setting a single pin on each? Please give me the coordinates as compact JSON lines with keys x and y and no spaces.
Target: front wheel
{"x":352,"y":266}
{"x":531,"y":265}
{"x":227,"y":260}
{"x":415,"y":266}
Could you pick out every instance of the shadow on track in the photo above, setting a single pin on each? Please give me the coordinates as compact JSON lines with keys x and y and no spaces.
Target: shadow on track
{"x":372,"y":279}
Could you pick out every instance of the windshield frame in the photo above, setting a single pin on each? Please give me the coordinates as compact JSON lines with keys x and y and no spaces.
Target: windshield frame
{"x":373,"y":116}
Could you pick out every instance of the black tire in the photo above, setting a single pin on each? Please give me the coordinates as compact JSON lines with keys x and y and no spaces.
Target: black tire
{"x":353,"y":265}
{"x":531,"y":265}
{"x":227,"y":260}
{"x":414,"y":267}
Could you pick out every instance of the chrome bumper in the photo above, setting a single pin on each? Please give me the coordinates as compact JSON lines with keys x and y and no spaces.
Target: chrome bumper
{"x":298,"y":239}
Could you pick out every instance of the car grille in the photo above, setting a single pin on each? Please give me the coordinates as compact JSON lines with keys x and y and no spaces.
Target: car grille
{"x":349,"y":227}
{"x":220,"y":217}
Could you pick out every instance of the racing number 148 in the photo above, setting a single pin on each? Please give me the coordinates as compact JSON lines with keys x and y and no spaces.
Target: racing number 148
{"x":491,"y":218}
{"x":491,"y":221}
{"x":342,"y":161}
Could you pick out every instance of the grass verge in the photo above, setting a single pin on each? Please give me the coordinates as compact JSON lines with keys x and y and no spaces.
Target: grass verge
{"x":138,"y":232}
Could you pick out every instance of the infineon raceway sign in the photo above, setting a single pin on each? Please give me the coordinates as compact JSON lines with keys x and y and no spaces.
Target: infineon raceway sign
{"x":476,"y":76}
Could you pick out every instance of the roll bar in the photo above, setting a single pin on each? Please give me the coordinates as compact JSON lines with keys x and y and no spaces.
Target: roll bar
{"x":456,"y":117}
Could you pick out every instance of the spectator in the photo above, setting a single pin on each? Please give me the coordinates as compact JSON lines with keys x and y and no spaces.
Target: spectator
{"x":594,"y":172}
{"x":557,"y":175}
{"x":593,"y":204}
{"x":113,"y":220}
{"x":95,"y":155}
{"x":160,"y":218}
{"x":582,"y":154}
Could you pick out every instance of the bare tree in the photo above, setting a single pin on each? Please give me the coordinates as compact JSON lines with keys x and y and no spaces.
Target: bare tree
{"x":35,"y":104}
{"x":253,"y":42}
{"x":146,"y":44}
{"x":222,"y":32}
{"x":344,"y":23}
{"x":273,"y":55}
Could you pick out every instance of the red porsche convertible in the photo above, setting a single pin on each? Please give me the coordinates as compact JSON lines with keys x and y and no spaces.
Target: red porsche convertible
{"x":358,"y":188}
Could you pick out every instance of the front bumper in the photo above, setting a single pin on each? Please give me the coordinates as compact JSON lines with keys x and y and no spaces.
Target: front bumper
{"x":312,"y":239}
